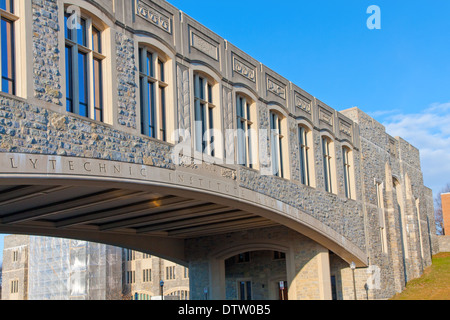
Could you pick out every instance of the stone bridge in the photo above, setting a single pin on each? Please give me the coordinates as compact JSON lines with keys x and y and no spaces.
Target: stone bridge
{"x":342,"y":191}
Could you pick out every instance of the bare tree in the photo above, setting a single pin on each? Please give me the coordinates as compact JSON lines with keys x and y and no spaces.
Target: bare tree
{"x":438,"y":215}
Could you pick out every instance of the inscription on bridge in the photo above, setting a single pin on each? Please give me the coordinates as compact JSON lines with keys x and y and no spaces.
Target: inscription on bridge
{"x":12,"y":163}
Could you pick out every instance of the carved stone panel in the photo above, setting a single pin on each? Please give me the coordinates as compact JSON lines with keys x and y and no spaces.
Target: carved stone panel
{"x":183,"y":90}
{"x":276,"y":88}
{"x":154,"y":16}
{"x":345,"y":128}
{"x":204,"y":44}
{"x":326,"y":116}
{"x":302,"y":102}
{"x":244,"y":68}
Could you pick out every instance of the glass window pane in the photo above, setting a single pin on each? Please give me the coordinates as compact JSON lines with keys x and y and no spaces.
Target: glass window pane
{"x":7,"y":5}
{"x":161,"y":70}
{"x":7,"y":56}
{"x":149,"y":64}
{"x":162,"y":112}
{"x":67,"y":31}
{"x":83,"y":84}
{"x":81,"y":33}
{"x":96,"y":40}
{"x":210,"y":99}
{"x":151,"y":113}
{"x":69,"y":79}
{"x":98,"y":90}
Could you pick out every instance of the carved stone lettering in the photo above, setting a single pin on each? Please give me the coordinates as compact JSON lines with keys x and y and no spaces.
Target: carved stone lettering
{"x":155,"y":17}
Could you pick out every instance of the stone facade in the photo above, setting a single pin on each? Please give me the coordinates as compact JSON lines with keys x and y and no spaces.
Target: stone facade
{"x":143,"y":273}
{"x":48,"y":268}
{"x":15,"y":268}
{"x":387,"y":222}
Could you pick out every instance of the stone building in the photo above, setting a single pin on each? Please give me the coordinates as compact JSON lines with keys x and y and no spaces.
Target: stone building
{"x":44,"y":268}
{"x":15,"y":268}
{"x":143,"y":273}
{"x":131,"y":124}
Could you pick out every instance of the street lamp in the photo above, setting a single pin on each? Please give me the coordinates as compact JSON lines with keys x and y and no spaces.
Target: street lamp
{"x":161,"y":284}
{"x":353,"y":267}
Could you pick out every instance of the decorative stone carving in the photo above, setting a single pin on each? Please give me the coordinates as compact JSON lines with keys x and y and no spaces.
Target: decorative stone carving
{"x":184,"y":115}
{"x":302,"y":103}
{"x":205,"y":46}
{"x":244,"y":69}
{"x":345,"y":128}
{"x":326,"y":116}
{"x":276,"y":88}
{"x":154,"y":16}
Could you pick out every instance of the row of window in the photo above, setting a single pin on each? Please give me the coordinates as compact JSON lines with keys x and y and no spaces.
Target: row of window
{"x":85,"y":63}
{"x":181,"y":294}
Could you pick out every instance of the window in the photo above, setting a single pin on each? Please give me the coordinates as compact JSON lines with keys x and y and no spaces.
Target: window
{"x":382,"y":221}
{"x":327,"y":170}
{"x":276,"y":139}
{"x":15,"y":256}
{"x":244,"y":132}
{"x":7,"y":45}
{"x":305,"y":171}
{"x":346,"y":153}
{"x":277,"y":255}
{"x":14,"y":286}
{"x":170,"y":273}
{"x":84,"y":68}
{"x":186,"y":273}
{"x":204,"y":115}
{"x":130,"y":255}
{"x":147,"y":275}
{"x":243,"y":257}
{"x":245,"y":290}
{"x":152,"y":75}
{"x":130,"y":277}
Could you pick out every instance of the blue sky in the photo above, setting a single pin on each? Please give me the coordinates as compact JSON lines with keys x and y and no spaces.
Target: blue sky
{"x":400,"y":74}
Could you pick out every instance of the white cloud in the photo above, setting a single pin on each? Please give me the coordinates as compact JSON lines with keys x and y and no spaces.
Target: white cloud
{"x":429,"y":131}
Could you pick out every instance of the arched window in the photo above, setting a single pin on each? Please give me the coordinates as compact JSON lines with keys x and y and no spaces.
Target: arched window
{"x":398,"y":200}
{"x":348,"y":174}
{"x":204,"y":98}
{"x":153,"y":88}
{"x":84,"y":50}
{"x":328,"y":154}
{"x":245,"y":131}
{"x":304,"y":150}
{"x":277,"y":140}
{"x":7,"y":45}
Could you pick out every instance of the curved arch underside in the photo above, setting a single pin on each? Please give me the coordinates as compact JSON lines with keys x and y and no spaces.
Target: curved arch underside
{"x":150,"y":215}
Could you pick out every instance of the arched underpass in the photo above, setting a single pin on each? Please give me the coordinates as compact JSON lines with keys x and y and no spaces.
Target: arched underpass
{"x":166,"y":215}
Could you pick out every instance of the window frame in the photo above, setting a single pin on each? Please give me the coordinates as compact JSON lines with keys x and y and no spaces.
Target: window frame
{"x":328,"y":163}
{"x":10,"y":17}
{"x":204,"y":112}
{"x":245,"y":123}
{"x":305,"y":150}
{"x":153,"y":86}
{"x":347,"y":166}
{"x":95,"y":90}
{"x":277,"y":144}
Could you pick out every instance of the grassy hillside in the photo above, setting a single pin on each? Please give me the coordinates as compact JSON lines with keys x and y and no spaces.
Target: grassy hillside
{"x":434,"y":283}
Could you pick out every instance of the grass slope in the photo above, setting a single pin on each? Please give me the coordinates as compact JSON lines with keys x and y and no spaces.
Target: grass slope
{"x":434,"y":283}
